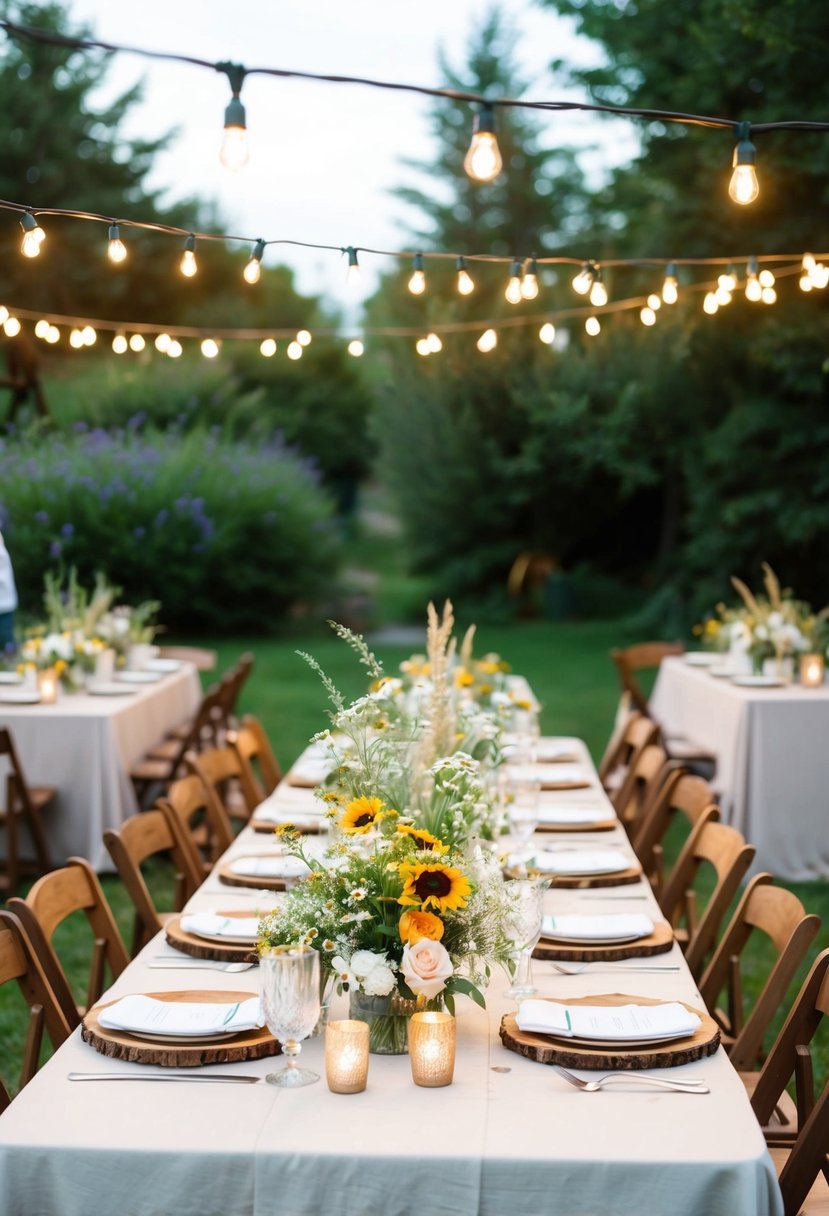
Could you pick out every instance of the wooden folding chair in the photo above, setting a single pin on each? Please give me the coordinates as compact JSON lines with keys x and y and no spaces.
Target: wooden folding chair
{"x":230,"y":689}
{"x":681,"y":796}
{"x":53,"y":898}
{"x":624,"y":749}
{"x":800,"y":1160}
{"x":259,"y":769}
{"x":646,"y":656}
{"x":150,"y":834}
{"x":24,"y":804}
{"x":779,"y":916}
{"x":221,"y":770}
{"x":201,"y":658}
{"x":198,"y":818}
{"x":723,"y":849}
{"x":19,"y":962}
{"x":640,"y":786}
{"x":165,"y":762}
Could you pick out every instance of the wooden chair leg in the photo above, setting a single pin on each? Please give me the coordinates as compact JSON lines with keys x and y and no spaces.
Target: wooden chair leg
{"x":39,"y":840}
{"x":12,"y":875}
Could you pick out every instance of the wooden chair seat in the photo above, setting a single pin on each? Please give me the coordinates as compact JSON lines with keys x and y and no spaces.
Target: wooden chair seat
{"x":783,"y":1122}
{"x":167,"y":749}
{"x":816,"y":1202}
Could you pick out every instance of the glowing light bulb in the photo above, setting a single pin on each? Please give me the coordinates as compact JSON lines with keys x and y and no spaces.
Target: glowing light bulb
{"x":723,"y":296}
{"x":234,"y":153}
{"x":422,"y":347}
{"x":487,"y":341}
{"x":89,"y":335}
{"x":766,"y":278}
{"x":355,"y":348}
{"x":11,"y":327}
{"x":466,"y":284}
{"x":754,"y":292}
{"x":352,"y":274}
{"x":805,"y":282}
{"x":4,"y":314}
{"x":417,"y":283}
{"x":41,"y":329}
{"x":593,"y":326}
{"x":435,"y":343}
{"x":769,"y":295}
{"x":529,"y":284}
{"x":820,"y":276}
{"x":76,"y":339}
{"x":267,"y":347}
{"x":483,"y":161}
{"x":174,"y":349}
{"x":647,"y":316}
{"x":120,"y":344}
{"x":513,"y":291}
{"x":253,"y":269}
{"x":598,"y":292}
{"x":210,"y":348}
{"x":808,"y":263}
{"x":53,"y":335}
{"x":583,"y":280}
{"x":303,"y":337}
{"x":728,"y":281}
{"x":547,"y":333}
{"x":33,"y":236}
{"x":137,"y":343}
{"x":294,"y":350}
{"x":654,"y":301}
{"x":188,"y":264}
{"x":710,"y":304}
{"x":743,"y":187}
{"x":116,"y":249}
{"x":670,"y":287}
{"x":162,"y":343}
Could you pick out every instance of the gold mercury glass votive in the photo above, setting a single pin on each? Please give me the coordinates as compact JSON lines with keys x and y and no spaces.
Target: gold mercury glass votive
{"x":346,"y":1056}
{"x":47,"y":685}
{"x":432,"y":1048}
{"x":812,"y":667}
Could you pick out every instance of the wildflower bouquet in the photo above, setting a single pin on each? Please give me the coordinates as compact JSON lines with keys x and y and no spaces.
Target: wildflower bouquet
{"x":774,"y":626}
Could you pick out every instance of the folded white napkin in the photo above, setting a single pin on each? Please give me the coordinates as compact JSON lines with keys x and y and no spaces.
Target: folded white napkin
{"x":548,"y":774}
{"x":284,"y":804}
{"x":552,"y":750}
{"x":627,"y":1023}
{"x":597,"y":928}
{"x":211,"y":924}
{"x":580,"y":861}
{"x":269,"y":867}
{"x":147,"y":1015}
{"x":310,"y":769}
{"x":553,"y":813}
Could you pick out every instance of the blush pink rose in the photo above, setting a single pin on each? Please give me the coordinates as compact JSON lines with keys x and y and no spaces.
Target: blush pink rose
{"x":426,"y":966}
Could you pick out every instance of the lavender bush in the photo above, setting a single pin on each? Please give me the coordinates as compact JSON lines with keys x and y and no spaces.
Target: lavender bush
{"x":226,"y":535}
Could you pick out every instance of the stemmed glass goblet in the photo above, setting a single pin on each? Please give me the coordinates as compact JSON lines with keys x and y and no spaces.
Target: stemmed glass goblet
{"x":291,"y":1001}
{"x":526,"y":909}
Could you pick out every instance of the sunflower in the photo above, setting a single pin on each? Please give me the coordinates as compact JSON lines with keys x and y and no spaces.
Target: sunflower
{"x":442,"y":887}
{"x":423,"y":839}
{"x":414,"y":926}
{"x":360,"y":814}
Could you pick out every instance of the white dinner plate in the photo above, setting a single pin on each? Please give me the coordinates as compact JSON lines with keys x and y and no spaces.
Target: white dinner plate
{"x":165,"y":666}
{"x":10,"y":677}
{"x":106,"y":689}
{"x":592,"y":941}
{"x":181,"y":1040}
{"x":138,"y":677}
{"x":721,"y":673}
{"x":758,"y":681}
{"x":702,"y":658}
{"x":19,"y":696}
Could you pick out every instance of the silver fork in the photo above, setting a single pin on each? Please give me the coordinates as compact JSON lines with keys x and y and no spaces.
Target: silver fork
{"x":579,"y":968}
{"x":681,"y":1087}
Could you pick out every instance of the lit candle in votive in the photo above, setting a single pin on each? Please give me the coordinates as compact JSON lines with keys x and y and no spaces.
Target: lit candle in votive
{"x":432,"y":1048}
{"x":812,"y":667}
{"x":47,"y":684}
{"x":346,"y":1056}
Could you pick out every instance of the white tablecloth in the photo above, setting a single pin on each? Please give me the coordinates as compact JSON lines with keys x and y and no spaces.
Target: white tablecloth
{"x":508,"y":1137}
{"x":772,"y":750}
{"x":86,"y":745}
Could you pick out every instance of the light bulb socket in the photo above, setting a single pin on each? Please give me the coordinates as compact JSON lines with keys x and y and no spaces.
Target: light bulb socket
{"x":484,"y":120}
{"x":460,"y":264}
{"x":516,"y":269}
{"x":28,"y":222}
{"x":745,"y":152}
{"x":752,"y":267}
{"x":235,"y":117}
{"x":114,"y":232}
{"x":417,"y":263}
{"x":670,"y":271}
{"x":190,"y":244}
{"x":532,"y":265}
{"x":235,"y":73}
{"x":258,"y":251}
{"x":352,"y":256}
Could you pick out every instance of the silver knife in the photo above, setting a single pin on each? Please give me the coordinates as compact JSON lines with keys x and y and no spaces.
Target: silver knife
{"x":229,"y":1078}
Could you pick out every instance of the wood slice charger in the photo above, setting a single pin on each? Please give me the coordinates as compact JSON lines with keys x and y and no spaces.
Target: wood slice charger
{"x":579,"y":882}
{"x":258,"y":882}
{"x":547,"y":1050}
{"x":202,"y":947}
{"x":594,"y":825}
{"x":658,"y":942}
{"x":121,"y":1045}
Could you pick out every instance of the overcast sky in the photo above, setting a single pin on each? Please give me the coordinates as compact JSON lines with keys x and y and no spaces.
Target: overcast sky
{"x":323,"y":156}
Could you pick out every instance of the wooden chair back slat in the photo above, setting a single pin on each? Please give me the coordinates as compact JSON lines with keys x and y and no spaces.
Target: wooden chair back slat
{"x":260,"y":771}
{"x":192,"y":804}
{"x":638,"y":732}
{"x":681,"y":794}
{"x":220,"y":769}
{"x":641,"y":657}
{"x":638,"y":790}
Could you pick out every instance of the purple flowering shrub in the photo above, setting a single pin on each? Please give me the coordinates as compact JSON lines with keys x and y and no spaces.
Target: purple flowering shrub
{"x":228,"y":536}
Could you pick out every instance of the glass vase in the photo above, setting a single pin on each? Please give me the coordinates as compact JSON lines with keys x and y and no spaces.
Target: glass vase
{"x":388,"y":1019}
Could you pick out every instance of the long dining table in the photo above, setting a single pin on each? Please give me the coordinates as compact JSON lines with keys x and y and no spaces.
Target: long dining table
{"x":508,"y":1136}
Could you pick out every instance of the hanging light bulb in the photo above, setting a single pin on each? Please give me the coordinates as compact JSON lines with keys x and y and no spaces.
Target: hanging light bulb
{"x":513,"y":291}
{"x":355,"y":348}
{"x":4,"y":314}
{"x":598,"y":291}
{"x":547,"y":333}
{"x":120,"y":344}
{"x":422,"y":347}
{"x":710,"y":304}
{"x":529,"y":283}
{"x":253,"y":269}
{"x":33,"y":236}
{"x":174,"y":349}
{"x":162,"y":343}
{"x":53,"y":335}
{"x":417,"y":283}
{"x":584,"y":279}
{"x":483,"y":161}
{"x":41,"y":329}
{"x":210,"y":348}
{"x":75,"y":339}
{"x":654,"y":302}
{"x":766,"y":278}
{"x":294,"y":350}
{"x":754,"y":291}
{"x":769,"y":295}
{"x":11,"y":327}
{"x":743,"y":187}
{"x":267,"y":347}
{"x":466,"y":284}
{"x":303,"y":337}
{"x":188,"y":264}
{"x":116,"y":249}
{"x":647,"y":316}
{"x":805,"y":282}
{"x":487,"y":341}
{"x":670,"y":287}
{"x":820,"y":276}
{"x":352,"y":274}
{"x":234,"y":152}
{"x":728,"y":281}
{"x":593,"y":326}
{"x":89,"y":335}
{"x":137,"y":343}
{"x":723,"y":296}
{"x":435,"y":344}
